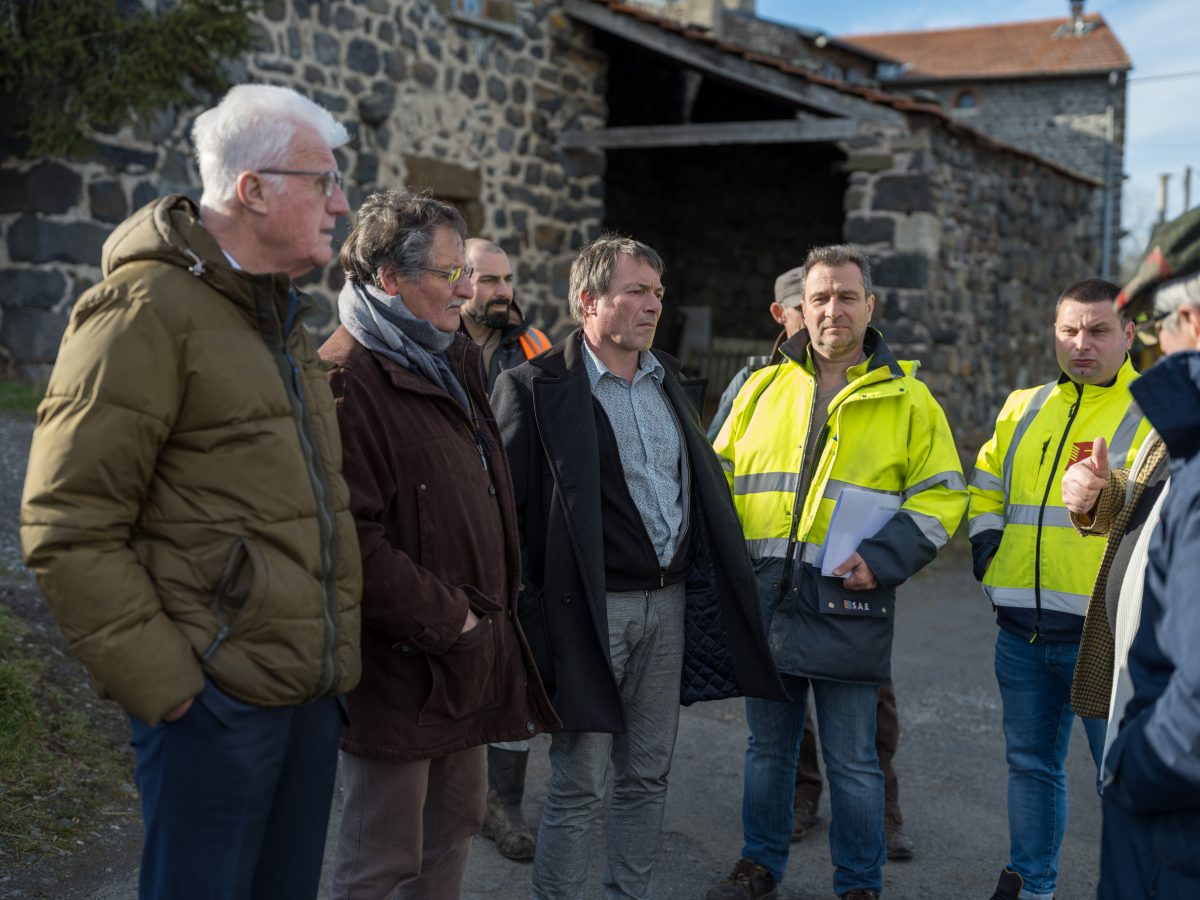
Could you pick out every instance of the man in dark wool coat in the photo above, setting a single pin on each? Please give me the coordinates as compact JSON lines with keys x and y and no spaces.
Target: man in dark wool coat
{"x":638,"y":593}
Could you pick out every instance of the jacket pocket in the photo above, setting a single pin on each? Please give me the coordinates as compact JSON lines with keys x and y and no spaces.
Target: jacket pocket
{"x":834,"y":599}
{"x":239,"y":592}
{"x":823,"y":630}
{"x":228,"y":711}
{"x":463,"y":680}
{"x":532,"y":619}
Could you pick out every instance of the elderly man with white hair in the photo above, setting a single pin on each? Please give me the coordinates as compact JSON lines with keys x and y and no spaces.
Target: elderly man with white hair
{"x":185,"y":513}
{"x":1151,"y":766}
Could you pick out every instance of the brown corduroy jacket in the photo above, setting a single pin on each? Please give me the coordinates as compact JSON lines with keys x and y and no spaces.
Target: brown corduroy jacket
{"x":438,"y":533}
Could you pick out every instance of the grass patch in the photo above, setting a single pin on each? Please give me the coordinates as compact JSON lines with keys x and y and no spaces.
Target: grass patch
{"x":18,"y":396}
{"x":62,"y":767}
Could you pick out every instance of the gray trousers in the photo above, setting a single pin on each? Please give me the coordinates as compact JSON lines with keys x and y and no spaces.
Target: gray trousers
{"x":406,"y":828}
{"x":645,"y":635}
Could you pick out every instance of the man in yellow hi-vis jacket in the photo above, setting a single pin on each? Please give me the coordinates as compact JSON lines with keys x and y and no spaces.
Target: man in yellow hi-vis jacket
{"x":839,"y":412}
{"x":1038,"y":571}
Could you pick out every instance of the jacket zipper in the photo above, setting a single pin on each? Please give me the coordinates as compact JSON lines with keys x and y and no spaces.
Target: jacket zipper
{"x":811,"y":454}
{"x":1037,"y":551}
{"x":325,"y":521}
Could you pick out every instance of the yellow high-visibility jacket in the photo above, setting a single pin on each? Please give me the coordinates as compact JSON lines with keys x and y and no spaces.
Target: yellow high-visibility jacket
{"x":885,"y":433}
{"x":1042,"y":571}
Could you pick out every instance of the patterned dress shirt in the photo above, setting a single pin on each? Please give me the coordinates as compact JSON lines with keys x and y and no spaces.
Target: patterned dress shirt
{"x":650,"y":443}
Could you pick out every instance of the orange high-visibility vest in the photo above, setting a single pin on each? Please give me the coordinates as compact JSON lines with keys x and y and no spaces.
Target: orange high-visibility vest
{"x":534,"y":342}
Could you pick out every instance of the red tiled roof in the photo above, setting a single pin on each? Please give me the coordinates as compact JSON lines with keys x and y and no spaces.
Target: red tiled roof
{"x":1020,"y":48}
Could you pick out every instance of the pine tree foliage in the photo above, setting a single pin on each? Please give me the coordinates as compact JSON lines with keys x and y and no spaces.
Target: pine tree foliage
{"x":67,"y":66}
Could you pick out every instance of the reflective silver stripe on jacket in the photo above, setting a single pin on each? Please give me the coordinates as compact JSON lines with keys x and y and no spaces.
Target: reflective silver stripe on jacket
{"x":1027,"y":514}
{"x":1122,"y":439}
{"x":951,"y":479}
{"x":1035,"y":406}
{"x":930,"y":526}
{"x":986,"y":481}
{"x":985,"y":522}
{"x":1059,"y":601}
{"x":765,"y":483}
{"x":777,"y":547}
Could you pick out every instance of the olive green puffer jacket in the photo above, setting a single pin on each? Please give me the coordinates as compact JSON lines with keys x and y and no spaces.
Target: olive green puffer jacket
{"x":184,"y":509}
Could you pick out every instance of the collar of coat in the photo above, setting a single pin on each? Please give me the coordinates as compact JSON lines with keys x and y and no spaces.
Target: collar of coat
{"x":1169,"y":396}
{"x":798,"y":349}
{"x":565,"y":360}
{"x":168,"y":230}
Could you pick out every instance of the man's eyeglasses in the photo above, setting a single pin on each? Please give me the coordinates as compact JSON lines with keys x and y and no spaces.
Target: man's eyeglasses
{"x":330,"y":178}
{"x":454,"y":276}
{"x":1152,"y":322}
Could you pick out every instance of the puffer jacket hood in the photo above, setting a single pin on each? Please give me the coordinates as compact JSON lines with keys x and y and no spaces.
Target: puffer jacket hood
{"x":169,"y":230}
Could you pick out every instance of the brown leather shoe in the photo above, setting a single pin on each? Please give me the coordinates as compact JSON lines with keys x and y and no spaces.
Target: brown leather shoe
{"x":899,"y":845}
{"x":747,"y":881}
{"x":804,"y":818}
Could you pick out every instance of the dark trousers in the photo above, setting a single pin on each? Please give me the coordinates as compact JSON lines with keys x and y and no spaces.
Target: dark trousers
{"x":235,"y":799}
{"x":887,"y":741}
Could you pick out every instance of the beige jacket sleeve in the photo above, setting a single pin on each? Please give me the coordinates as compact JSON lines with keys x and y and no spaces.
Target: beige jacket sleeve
{"x":1108,"y":505}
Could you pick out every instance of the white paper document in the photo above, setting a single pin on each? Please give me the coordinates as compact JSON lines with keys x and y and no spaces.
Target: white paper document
{"x":857,"y":515}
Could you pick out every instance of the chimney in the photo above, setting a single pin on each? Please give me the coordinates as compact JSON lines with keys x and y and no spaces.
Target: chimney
{"x":1077,"y":24}
{"x":703,"y":14}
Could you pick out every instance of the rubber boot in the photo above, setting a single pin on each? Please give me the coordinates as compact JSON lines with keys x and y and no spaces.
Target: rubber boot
{"x":504,"y":823}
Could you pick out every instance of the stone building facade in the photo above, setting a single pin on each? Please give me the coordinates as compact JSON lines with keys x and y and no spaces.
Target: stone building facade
{"x":436,"y":99}
{"x":1055,"y":87}
{"x":971,"y":248}
{"x":971,"y":239}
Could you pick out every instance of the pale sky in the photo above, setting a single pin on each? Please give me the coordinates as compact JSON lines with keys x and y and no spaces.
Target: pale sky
{"x":1162,"y":37}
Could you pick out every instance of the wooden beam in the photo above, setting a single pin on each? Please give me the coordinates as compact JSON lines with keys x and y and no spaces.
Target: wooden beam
{"x":728,"y":67}
{"x":782,"y":131}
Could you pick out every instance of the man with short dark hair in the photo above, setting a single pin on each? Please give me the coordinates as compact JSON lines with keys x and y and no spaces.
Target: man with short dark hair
{"x":492,"y":319}
{"x":634,"y":580}
{"x":787,"y":310}
{"x":840,"y":417}
{"x":445,"y":667}
{"x":491,"y":316}
{"x":1038,"y":572}
{"x":185,"y":512}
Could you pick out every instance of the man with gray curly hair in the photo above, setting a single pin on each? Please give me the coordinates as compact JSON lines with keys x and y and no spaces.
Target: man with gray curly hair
{"x":445,"y":666}
{"x":185,"y":512}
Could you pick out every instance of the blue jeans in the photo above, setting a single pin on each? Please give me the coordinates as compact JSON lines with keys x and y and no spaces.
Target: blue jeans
{"x":1035,"y":689}
{"x":236,"y":799}
{"x":846,"y":724}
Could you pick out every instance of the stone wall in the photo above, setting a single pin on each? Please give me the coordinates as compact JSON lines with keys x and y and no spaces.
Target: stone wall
{"x":1060,"y":119}
{"x":466,"y":107}
{"x":971,"y":247}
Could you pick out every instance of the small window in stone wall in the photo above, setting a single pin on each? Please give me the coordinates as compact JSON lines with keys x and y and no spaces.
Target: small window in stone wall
{"x":832,"y":71}
{"x":486,"y":13}
{"x":966,"y":100}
